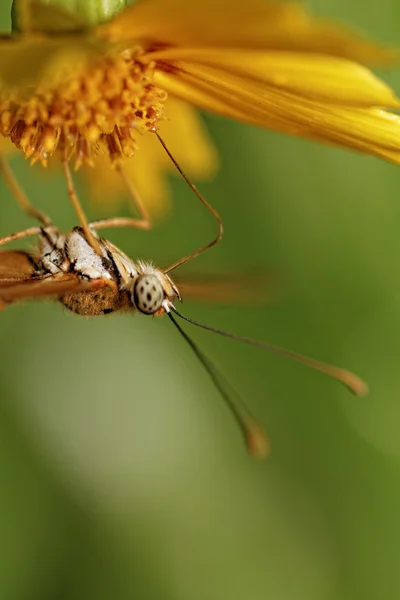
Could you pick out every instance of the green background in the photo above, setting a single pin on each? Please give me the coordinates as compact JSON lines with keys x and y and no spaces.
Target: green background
{"x":123,"y":476}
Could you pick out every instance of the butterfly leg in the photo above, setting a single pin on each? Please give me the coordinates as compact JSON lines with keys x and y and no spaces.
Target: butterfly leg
{"x":78,"y":208}
{"x":19,"y":235}
{"x":19,"y":194}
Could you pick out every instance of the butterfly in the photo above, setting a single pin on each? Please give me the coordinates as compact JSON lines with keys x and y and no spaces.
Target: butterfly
{"x":91,"y":276}
{"x":66,"y":267}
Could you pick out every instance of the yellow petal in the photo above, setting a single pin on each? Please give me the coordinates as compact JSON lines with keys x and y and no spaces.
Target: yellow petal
{"x":149,"y":176}
{"x":315,"y":76}
{"x":6,"y":147}
{"x":369,"y":130}
{"x":192,"y":94}
{"x":262,"y":24}
{"x":35,"y":15}
{"x":25,"y":60}
{"x":189,"y":142}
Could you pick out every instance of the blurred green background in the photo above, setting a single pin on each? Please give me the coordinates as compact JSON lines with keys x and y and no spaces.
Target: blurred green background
{"x":123,"y":475}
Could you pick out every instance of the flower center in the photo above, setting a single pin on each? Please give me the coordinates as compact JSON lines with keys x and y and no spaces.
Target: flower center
{"x":97,"y":111}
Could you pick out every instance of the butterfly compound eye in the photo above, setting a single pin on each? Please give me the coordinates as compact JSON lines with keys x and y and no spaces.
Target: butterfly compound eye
{"x":148,"y":294}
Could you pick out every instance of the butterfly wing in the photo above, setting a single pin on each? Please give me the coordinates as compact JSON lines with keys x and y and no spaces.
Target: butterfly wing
{"x":20,"y":279}
{"x":16,"y":265}
{"x":242,"y":287}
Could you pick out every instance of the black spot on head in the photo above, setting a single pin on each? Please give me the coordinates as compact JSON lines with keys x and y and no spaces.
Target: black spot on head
{"x":148,"y":296}
{"x":144,"y":305}
{"x":154,"y":288}
{"x":141,"y":289}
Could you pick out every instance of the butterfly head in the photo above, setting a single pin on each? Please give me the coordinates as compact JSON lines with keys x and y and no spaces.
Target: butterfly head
{"x":153,"y":292}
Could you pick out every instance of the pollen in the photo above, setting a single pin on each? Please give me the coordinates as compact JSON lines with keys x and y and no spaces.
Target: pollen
{"x":100,"y":109}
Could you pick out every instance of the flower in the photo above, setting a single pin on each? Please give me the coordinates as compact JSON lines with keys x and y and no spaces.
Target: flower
{"x":268,"y":64}
{"x":93,"y":91}
{"x":91,"y":101}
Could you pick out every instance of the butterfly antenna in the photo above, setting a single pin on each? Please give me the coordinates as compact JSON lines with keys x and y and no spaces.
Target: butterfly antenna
{"x":203,"y":201}
{"x":353,"y":383}
{"x":257,"y":442}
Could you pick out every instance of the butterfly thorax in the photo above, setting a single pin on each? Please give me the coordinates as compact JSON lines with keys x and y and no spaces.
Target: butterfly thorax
{"x":71,"y":253}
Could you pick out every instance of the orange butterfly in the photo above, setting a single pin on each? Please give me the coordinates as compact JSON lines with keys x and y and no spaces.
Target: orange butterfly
{"x":91,"y":276}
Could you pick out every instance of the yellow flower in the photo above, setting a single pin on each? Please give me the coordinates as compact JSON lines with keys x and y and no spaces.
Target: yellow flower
{"x":93,"y":91}
{"x":269,"y":64}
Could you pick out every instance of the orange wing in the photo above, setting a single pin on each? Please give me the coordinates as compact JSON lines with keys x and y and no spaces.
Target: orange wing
{"x":18,"y":280}
{"x":247,"y":287}
{"x":16,"y":265}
